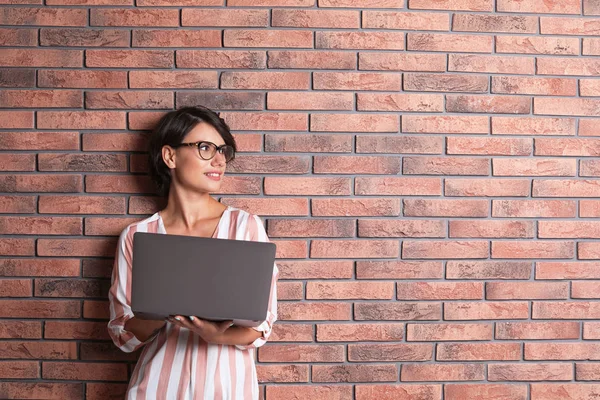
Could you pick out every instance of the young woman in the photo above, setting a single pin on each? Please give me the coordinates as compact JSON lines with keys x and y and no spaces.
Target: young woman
{"x":186,"y":357}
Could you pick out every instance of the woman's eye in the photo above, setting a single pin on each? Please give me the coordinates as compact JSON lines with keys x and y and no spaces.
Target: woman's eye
{"x":203,"y":147}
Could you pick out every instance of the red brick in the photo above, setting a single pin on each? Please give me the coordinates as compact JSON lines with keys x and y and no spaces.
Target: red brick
{"x":315,"y":18}
{"x":359,"y":40}
{"x":349,"y":290}
{"x":178,"y":38}
{"x":398,"y":186}
{"x":397,"y":311}
{"x":591,"y":330}
{"x":273,"y":206}
{"x":268,"y":3}
{"x":129,"y":58}
{"x":390,"y":352}
{"x":134,"y":17}
{"x":307,"y":186}
{"x":534,"y":208}
{"x":354,"y":123}
{"x":82,"y":79}
{"x":76,"y":247}
{"x":446,"y":83}
{"x":129,"y":100}
{"x":532,"y":6}
{"x":290,"y":291}
{"x":486,"y":310}
{"x":589,"y":208}
{"x":534,"y":86}
{"x":17,"y":162}
{"x":107,"y":226}
{"x":81,"y":120}
{"x":222,"y":101}
{"x":96,"y":309}
{"x":354,"y":249}
{"x":315,"y":269}
{"x":266,"y":121}
{"x":355,"y":81}
{"x":445,"y":124}
{"x":590,"y":48}
{"x":221,"y":59}
{"x":265,"y":80}
{"x":355,"y":207}
{"x":40,"y":183}
{"x":589,"y":87}
{"x":561,"y":351}
{"x":44,"y":16}
{"x":567,"y":270}
{"x":398,"y":392}
{"x":19,"y":370}
{"x":567,"y":147}
{"x":577,"y":390}
{"x":354,"y":373}
{"x":40,"y":308}
{"x":486,"y":187}
{"x":196,"y":3}
{"x":16,"y":119}
{"x":445,"y":166}
{"x":405,"y":20}
{"x":117,"y":184}
{"x":489,"y":146}
{"x":301,"y":353}
{"x":533,"y":126}
{"x":311,"y":60}
{"x":18,"y":37}
{"x":282,"y":373}
{"x":584,"y":290}
{"x":445,"y":208}
{"x":564,"y":187}
{"x":46,"y":350}
{"x":309,"y":101}
{"x":39,"y":267}
{"x":531,"y":372}
{"x":41,"y":98}
{"x":334,"y":392}
{"x":491,"y":229}
{"x":567,"y":66}
{"x":313,"y":311}
{"x":537,"y":45}
{"x":469,"y":391}
{"x":226,"y":18}
{"x":488,"y":104}
{"x":445,"y":249}
{"x":569,"y":229}
{"x":82,"y":162}
{"x":42,"y":390}
{"x":45,"y":58}
{"x":292,"y":333}
{"x":268,"y":38}
{"x":459,"y":5}
{"x":442,"y":372}
{"x":537,"y":330}
{"x":359,"y":332}
{"x":15,"y":288}
{"x":22,"y":77}
{"x":533,"y":249}
{"x":291,"y":249}
{"x":583,"y":107}
{"x":80,"y":37}
{"x":399,"y":270}
{"x":81,"y":205}
{"x":586,"y":371}
{"x":17,"y":247}
{"x":400,"y":228}
{"x":449,"y":42}
{"x":311,"y":228}
{"x":269,"y":164}
{"x":361,"y":3}
{"x":402,"y":62}
{"x":399,"y":102}
{"x":84,"y":371}
{"x":75,"y":330}
{"x":526,"y":290}
{"x":488,"y":270}
{"x":356,"y":165}
{"x":494,"y":23}
{"x":448,"y":332}
{"x":40,"y":226}
{"x":486,"y":64}
{"x":478,"y":352}
{"x":439,"y":290}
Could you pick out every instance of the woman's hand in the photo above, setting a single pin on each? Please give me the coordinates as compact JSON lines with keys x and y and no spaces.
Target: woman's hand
{"x":207,"y":330}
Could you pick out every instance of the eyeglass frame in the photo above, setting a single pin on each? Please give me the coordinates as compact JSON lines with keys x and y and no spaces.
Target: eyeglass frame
{"x":217,"y":148}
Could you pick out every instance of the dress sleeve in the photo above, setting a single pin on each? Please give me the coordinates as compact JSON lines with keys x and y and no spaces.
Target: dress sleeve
{"x":119,"y":296}
{"x":257,"y":233}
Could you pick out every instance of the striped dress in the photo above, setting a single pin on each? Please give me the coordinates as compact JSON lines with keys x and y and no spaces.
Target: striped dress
{"x":176,"y":363}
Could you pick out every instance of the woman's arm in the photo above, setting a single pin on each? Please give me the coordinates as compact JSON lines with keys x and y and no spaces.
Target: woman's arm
{"x":143,"y":329}
{"x":218,"y":332}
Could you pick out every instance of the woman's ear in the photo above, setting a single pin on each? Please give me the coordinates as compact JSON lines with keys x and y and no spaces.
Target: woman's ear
{"x":168,"y":155}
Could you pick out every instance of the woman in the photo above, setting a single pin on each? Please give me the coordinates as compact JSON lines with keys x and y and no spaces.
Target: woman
{"x":186,"y":357}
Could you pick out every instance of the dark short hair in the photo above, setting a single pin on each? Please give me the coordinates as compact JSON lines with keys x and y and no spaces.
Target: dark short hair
{"x":171,"y":130}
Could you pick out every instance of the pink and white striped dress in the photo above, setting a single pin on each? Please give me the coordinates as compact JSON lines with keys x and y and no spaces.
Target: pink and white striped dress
{"x":175,"y":363}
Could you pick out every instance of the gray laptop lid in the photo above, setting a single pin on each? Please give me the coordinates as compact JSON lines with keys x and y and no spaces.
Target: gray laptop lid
{"x":215,"y":279}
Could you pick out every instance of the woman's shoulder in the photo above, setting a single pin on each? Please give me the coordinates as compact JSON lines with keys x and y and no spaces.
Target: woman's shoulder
{"x":243,"y":215}
{"x":148,"y":224}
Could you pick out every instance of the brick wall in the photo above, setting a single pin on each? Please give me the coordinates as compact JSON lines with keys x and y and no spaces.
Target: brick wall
{"x":428,"y":169}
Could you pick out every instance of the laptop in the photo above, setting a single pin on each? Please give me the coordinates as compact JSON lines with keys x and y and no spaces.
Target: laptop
{"x":213,"y":279}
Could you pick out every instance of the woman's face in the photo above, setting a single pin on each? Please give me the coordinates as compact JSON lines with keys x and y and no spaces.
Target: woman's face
{"x":190,"y":170}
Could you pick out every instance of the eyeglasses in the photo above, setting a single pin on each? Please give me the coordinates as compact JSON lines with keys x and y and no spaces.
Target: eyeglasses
{"x":207,"y":150}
